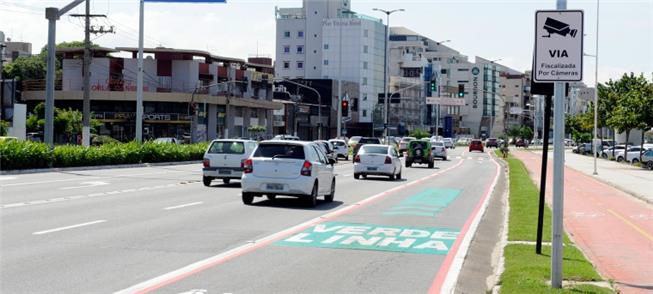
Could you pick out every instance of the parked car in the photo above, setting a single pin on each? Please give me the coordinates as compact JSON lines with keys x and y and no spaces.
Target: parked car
{"x":292,"y":168}
{"x":403,"y":144}
{"x":224,"y":159}
{"x":363,"y":141}
{"x":476,"y":145}
{"x":630,"y":155}
{"x":448,"y":142}
{"x":286,"y":137}
{"x":341,"y":148}
{"x":607,"y":153}
{"x":167,"y":140}
{"x":353,"y":141}
{"x":381,"y":160}
{"x":419,"y":151}
{"x":328,"y":149}
{"x":647,"y":159}
{"x":583,"y":149}
{"x":492,"y":143}
{"x":439,"y":150}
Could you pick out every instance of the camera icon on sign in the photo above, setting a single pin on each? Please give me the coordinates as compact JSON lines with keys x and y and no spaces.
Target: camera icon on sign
{"x":554,"y":26}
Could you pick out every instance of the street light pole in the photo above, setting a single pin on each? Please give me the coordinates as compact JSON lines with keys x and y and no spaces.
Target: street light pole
{"x":386,"y":69}
{"x":596,"y":90}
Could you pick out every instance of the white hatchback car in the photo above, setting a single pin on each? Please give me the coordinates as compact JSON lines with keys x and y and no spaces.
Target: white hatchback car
{"x":376,"y":159}
{"x":439,"y":150}
{"x":224,"y":160}
{"x":341,"y":148}
{"x":292,"y":168}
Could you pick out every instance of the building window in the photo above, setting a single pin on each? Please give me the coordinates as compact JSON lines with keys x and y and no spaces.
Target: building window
{"x":365,"y":97}
{"x":315,"y":67}
{"x":300,"y":49}
{"x":300,"y":34}
{"x":326,"y":46}
{"x":364,"y":81}
{"x":365,"y":33}
{"x":364,"y":112}
{"x":286,"y":49}
{"x":315,"y":51}
{"x":300,"y":64}
{"x":286,"y":64}
{"x":286,"y":34}
{"x":463,"y":69}
{"x":364,"y":64}
{"x":365,"y":49}
{"x":314,"y":35}
{"x":326,"y":62}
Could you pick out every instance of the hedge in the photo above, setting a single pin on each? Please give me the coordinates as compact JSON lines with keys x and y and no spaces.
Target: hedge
{"x":26,"y":154}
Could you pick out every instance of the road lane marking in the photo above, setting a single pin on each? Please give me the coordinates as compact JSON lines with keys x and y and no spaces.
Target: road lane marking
{"x":5,"y":178}
{"x":183,"y":205}
{"x":447,"y":276}
{"x":68,"y":227}
{"x":634,"y":226}
{"x":84,"y":177}
{"x":204,"y":264}
{"x":85,"y":185}
{"x":87,"y":196}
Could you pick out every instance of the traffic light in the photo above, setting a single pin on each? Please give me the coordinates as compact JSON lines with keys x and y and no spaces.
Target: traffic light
{"x":461,"y":90}
{"x":345,"y":108}
{"x":433,"y":87}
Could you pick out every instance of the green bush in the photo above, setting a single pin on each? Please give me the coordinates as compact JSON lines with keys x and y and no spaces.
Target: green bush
{"x":27,"y":154}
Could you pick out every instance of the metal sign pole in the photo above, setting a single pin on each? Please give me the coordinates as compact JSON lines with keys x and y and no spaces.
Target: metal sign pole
{"x":139,"y":76}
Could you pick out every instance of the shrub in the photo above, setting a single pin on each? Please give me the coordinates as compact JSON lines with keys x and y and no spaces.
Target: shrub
{"x":27,"y":154}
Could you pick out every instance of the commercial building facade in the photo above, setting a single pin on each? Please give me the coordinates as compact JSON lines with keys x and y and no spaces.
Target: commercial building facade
{"x":224,"y":96}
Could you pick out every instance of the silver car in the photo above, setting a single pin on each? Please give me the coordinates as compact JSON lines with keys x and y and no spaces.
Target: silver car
{"x":439,"y":150}
{"x":328,"y":149}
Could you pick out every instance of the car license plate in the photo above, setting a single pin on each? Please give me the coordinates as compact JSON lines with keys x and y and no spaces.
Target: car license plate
{"x":275,"y":187}
{"x":224,"y":172}
{"x":371,"y":168}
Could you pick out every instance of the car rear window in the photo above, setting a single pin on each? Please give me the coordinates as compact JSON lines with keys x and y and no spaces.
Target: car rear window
{"x":280,"y":151}
{"x":476,"y":142}
{"x":438,"y":144}
{"x":407,"y":139}
{"x":369,"y":141}
{"x":338,"y":143}
{"x":227,"y":148}
{"x":421,"y":144}
{"x":375,"y":150}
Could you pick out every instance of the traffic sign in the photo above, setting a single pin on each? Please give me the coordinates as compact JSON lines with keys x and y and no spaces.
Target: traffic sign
{"x":448,"y":101}
{"x":558,"y":46}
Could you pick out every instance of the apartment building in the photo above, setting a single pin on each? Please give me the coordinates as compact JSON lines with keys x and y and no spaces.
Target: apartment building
{"x":223,"y":95}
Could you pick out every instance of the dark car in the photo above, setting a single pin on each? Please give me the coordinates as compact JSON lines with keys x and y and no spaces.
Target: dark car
{"x":419,"y":151}
{"x":476,"y":145}
{"x":584,"y":148}
{"x":522,"y":143}
{"x":492,"y":143}
{"x":365,"y":140}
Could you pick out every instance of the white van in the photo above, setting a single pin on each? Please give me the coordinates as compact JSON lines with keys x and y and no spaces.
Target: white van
{"x":224,"y":159}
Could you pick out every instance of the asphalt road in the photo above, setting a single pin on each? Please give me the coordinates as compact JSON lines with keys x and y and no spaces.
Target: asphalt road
{"x":158,"y":228}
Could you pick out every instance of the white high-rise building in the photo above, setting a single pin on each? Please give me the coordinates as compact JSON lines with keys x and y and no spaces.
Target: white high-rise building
{"x":325,"y":40}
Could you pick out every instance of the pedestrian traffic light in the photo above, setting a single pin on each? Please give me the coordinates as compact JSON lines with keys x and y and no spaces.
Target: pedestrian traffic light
{"x":461,"y":90}
{"x":433,"y":87}
{"x":345,"y":108}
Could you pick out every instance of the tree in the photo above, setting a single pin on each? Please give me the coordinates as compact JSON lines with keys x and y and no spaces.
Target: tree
{"x":525,"y":132}
{"x":67,"y":122}
{"x":632,"y":105}
{"x":256,"y":129}
{"x":34,"y":67}
{"x":419,"y":133}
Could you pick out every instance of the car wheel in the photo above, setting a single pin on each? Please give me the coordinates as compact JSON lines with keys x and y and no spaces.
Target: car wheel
{"x":329,"y":198}
{"x":391,"y":177}
{"x":207,"y":181}
{"x":357,"y":176}
{"x":649,"y":165}
{"x":444,"y":158}
{"x":226,"y":181}
{"x":312,"y":199}
{"x":398,"y":177}
{"x":604,"y":156}
{"x":248,"y":198}
{"x":620,"y":159}
{"x":408,"y":163}
{"x":271,"y":197}
{"x":431,"y":164}
{"x":634,"y":161}
{"x":347,"y":158}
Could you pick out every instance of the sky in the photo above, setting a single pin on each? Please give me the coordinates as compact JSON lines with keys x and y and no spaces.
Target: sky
{"x":241,"y":28}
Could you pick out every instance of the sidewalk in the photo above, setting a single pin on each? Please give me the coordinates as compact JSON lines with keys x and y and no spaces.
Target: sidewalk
{"x":631,"y":179}
{"x":612,"y":228}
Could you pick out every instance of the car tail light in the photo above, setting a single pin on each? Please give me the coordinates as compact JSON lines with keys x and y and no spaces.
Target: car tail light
{"x":306,"y":169}
{"x":388,"y":160}
{"x":248,"y":166}
{"x":206,"y":162}
{"x":357,"y":158}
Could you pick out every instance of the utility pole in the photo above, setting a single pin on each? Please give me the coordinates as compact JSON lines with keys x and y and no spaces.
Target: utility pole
{"x":86,"y":108}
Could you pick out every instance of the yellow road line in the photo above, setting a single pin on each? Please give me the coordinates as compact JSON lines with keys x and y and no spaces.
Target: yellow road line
{"x":634,"y":226}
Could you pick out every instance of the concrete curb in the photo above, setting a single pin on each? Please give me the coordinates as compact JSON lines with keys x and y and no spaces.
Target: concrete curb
{"x":96,"y":167}
{"x":495,"y":279}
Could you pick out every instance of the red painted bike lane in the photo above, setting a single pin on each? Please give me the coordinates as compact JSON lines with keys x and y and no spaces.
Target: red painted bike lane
{"x":612,"y":228}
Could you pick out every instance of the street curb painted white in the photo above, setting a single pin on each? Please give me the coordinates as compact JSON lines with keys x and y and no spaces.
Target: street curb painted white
{"x":95,"y":167}
{"x":179,"y":274}
{"x":449,"y":284}
{"x":501,"y":266}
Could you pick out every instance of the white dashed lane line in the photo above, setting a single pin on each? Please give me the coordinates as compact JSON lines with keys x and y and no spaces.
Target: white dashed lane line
{"x":68,"y":227}
{"x":183,"y":205}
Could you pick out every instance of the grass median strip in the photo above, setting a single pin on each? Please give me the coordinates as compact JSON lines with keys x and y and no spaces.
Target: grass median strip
{"x":525,"y":271}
